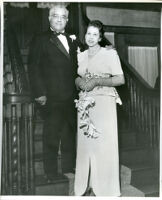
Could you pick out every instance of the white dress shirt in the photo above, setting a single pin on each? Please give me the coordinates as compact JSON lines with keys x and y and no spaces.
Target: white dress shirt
{"x":64,"y":41}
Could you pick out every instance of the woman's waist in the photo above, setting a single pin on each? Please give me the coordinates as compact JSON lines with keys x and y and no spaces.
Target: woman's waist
{"x":101,"y":90}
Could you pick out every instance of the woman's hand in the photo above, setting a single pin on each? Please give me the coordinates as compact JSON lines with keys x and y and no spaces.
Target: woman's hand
{"x":90,"y":85}
{"x":80,"y":83}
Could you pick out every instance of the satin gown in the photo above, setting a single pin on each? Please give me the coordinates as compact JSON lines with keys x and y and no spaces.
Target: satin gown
{"x":99,"y":157}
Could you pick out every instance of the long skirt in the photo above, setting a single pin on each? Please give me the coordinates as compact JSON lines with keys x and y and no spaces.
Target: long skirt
{"x":100,"y":156}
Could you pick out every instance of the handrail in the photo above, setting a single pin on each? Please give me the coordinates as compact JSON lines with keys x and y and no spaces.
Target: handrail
{"x":21,"y":85}
{"x":135,"y":75}
{"x":143,"y":105}
{"x":18,"y":112}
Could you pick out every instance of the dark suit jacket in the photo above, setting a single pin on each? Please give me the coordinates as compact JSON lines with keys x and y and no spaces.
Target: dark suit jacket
{"x":52,"y":71}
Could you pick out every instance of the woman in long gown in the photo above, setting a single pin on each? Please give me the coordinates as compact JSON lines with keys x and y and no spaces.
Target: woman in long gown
{"x":97,"y":163}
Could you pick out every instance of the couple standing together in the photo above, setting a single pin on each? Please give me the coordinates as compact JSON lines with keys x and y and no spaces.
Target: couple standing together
{"x":57,"y":72}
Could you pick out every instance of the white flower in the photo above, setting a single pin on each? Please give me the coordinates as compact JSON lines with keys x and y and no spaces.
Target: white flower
{"x":83,"y":104}
{"x":73,"y":37}
{"x":78,"y":50}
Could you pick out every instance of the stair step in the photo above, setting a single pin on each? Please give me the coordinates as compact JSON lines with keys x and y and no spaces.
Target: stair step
{"x":38,"y":157}
{"x":145,"y":176}
{"x":59,"y":186}
{"x":38,"y":121}
{"x":149,"y":190}
{"x":39,"y":168}
{"x":38,"y":130}
{"x":136,"y":155}
{"x":71,"y":178}
{"x":140,"y":166}
{"x":38,"y":147}
{"x":38,"y":164}
{"x":127,"y":139}
{"x":142,"y":191}
{"x":38,"y":138}
{"x":130,"y":191}
{"x":139,"y":181}
{"x":139,"y":174}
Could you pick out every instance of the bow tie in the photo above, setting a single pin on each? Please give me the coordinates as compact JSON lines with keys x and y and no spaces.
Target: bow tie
{"x":59,"y":33}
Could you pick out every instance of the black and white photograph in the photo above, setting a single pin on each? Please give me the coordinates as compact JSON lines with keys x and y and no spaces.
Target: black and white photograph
{"x":81,"y":86}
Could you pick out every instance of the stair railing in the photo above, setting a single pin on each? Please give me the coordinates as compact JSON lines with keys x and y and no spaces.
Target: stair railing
{"x":143,"y":105}
{"x":18,"y":111}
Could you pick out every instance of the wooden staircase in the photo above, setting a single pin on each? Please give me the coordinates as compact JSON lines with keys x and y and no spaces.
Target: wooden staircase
{"x":139,"y":171}
{"x":139,"y":168}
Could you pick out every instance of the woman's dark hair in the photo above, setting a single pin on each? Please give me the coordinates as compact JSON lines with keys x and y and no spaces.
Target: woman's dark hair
{"x":99,"y":25}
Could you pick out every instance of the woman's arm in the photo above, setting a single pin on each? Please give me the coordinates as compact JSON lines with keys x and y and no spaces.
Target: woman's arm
{"x":80,"y":83}
{"x":113,"y":81}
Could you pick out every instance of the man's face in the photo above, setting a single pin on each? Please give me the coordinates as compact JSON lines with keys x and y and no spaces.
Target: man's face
{"x":58,"y":18}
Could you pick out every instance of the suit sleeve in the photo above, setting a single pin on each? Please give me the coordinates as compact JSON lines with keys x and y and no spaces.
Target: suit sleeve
{"x":35,"y":67}
{"x":80,"y":44}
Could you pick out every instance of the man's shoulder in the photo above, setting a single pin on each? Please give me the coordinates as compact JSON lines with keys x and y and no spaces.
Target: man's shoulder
{"x":39,"y":38}
{"x":42,"y":35}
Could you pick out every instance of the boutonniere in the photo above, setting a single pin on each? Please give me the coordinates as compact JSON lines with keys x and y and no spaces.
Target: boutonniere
{"x":73,"y":37}
{"x":78,"y":50}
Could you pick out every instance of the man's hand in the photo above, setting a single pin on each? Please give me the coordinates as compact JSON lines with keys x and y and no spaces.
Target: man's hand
{"x":41,"y":100}
{"x":109,"y":47}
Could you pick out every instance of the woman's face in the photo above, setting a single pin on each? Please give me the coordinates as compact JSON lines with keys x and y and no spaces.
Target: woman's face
{"x":92,"y":36}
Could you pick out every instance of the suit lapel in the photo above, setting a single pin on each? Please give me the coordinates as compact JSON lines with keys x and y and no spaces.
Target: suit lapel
{"x":59,"y":45}
{"x":71,"y":46}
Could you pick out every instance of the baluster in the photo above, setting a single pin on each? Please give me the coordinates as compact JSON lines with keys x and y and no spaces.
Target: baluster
{"x":135,"y":105}
{"x":128,"y":107}
{"x":30,"y":110}
{"x":142,"y":112}
{"x":5,"y":170}
{"x":18,"y":148}
{"x":14,"y":161}
{"x":154,"y":118}
{"x":145,"y":115}
{"x":131,"y":106}
{"x":10,"y":153}
{"x":145,"y":124}
{"x":26,"y":148}
{"x":158,"y":121}
{"x":149,"y":123}
{"x":138,"y":108}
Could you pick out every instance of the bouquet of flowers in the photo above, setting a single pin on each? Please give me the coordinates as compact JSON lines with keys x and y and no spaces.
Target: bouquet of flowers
{"x":83,"y":104}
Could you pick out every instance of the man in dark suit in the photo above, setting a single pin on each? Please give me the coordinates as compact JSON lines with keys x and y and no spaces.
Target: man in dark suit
{"x":52,"y":73}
